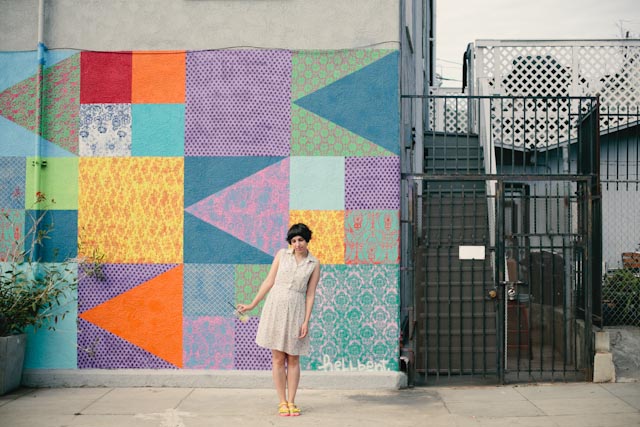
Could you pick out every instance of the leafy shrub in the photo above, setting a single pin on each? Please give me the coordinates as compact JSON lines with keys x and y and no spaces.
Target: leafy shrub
{"x":621,"y":297}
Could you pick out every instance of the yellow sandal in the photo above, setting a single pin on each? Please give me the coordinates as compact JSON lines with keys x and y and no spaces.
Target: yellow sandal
{"x":294,"y":411}
{"x":283,"y":409}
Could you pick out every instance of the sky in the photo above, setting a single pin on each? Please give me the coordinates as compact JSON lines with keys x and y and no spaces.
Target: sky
{"x":460,"y":22}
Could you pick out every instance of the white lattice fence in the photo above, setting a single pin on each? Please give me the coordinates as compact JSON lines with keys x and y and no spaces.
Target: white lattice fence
{"x":608,"y":69}
{"x":536,"y":122}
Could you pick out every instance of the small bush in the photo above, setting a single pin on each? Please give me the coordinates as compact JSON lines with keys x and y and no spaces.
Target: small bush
{"x":621,"y":297}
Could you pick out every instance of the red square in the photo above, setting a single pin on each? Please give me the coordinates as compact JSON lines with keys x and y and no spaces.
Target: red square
{"x":105,"y":78}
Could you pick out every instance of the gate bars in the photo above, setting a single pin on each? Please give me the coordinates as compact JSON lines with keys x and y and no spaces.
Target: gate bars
{"x":534,"y":161}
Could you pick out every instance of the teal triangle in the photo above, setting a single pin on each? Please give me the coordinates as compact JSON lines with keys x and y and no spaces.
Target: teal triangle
{"x":17,"y":141}
{"x":18,"y":66}
{"x":204,"y":176}
{"x":365,"y":102}
{"x":206,"y":244}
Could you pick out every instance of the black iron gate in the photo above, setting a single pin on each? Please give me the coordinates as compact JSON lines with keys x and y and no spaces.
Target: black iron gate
{"x":543,"y":245}
{"x":457,"y":333}
{"x":504,"y":240}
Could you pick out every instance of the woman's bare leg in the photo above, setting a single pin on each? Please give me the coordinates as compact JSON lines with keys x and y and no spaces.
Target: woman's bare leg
{"x":293,"y":376}
{"x":279,"y":374}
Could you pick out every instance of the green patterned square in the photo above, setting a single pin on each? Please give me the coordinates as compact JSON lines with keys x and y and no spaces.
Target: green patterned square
{"x":312,"y":135}
{"x":355,"y":321}
{"x":249,"y":277}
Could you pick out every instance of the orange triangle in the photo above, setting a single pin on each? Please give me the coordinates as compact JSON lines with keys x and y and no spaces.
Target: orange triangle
{"x":149,"y":316}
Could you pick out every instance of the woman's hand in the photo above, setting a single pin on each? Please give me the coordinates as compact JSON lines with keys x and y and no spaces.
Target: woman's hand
{"x":245,"y":307}
{"x":304,"y":329}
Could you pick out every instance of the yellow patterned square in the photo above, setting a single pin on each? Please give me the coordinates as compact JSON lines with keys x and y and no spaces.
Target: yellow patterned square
{"x":131,"y":209}
{"x":327,"y":242}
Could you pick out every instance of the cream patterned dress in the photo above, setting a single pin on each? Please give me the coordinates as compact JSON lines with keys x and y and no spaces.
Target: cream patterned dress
{"x":284,"y":308}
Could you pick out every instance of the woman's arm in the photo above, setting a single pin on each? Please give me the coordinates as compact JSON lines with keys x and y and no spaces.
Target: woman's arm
{"x":311,"y":295}
{"x":267,"y":284}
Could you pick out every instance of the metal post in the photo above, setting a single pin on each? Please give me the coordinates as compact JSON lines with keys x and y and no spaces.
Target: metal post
{"x":500,"y":282}
{"x":588,"y":284}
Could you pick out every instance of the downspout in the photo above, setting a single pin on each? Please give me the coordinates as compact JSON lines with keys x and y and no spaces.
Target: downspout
{"x":38,"y":163}
{"x":39,"y":89}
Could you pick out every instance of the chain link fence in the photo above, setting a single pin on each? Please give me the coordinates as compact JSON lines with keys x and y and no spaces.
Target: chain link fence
{"x":620,"y":177}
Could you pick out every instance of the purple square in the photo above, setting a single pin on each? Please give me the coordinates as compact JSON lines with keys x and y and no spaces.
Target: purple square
{"x":248,"y":354}
{"x":238,"y":103}
{"x":100,"y":349}
{"x":372,"y":183}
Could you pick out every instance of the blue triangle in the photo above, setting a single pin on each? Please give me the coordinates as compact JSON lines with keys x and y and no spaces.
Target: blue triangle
{"x":204,"y":176}
{"x":18,"y":66}
{"x":206,"y":244}
{"x":365,"y":102}
{"x":17,"y":141}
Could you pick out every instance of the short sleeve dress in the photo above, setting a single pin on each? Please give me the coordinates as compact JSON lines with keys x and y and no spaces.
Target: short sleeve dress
{"x":284,"y":308}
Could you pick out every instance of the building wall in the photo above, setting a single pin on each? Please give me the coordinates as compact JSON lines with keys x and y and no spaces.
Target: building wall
{"x":201,"y":24}
{"x":620,"y":178}
{"x":184,"y":168}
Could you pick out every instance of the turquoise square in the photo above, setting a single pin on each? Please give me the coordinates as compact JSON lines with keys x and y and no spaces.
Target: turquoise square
{"x":157,"y":130}
{"x":355,"y":322}
{"x":316,"y":183}
{"x":56,"y":348}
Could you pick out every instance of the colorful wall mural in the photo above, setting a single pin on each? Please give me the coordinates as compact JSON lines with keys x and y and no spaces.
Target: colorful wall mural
{"x":185,"y":169}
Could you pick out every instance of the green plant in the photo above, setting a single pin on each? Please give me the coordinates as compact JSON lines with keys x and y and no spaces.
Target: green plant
{"x":32,"y":293}
{"x":621,"y":297}
{"x":91,"y":264}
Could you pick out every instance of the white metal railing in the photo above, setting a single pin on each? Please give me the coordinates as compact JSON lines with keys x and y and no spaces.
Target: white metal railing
{"x":449,"y":115}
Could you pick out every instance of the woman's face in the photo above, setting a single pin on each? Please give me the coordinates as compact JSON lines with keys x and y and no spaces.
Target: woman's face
{"x":299,"y":244}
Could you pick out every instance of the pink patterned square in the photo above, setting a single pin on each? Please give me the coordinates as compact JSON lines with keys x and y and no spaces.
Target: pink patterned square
{"x":208,"y":342}
{"x":372,"y":237}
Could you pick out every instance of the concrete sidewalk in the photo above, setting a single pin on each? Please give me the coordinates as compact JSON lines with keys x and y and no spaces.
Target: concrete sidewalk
{"x":580,"y":405}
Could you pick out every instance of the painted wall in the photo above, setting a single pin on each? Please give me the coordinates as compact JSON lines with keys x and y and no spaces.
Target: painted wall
{"x":116,"y":25}
{"x":185,"y":169}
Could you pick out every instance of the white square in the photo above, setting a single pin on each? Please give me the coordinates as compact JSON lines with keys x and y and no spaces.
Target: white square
{"x":471,"y":252}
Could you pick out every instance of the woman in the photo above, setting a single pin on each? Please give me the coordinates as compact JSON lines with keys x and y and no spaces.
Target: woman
{"x":284,"y":323}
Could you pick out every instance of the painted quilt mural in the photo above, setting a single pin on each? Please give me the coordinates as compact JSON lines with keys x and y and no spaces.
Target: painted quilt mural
{"x":185,"y":170}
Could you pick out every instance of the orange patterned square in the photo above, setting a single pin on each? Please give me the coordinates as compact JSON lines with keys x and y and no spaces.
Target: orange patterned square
{"x":158,"y":77}
{"x":327,"y":242}
{"x":131,"y":209}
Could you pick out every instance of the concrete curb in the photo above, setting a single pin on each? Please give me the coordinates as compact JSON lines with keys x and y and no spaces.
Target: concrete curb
{"x":41,"y":378}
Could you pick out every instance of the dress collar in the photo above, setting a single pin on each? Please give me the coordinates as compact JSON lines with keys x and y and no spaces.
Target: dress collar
{"x":310,"y":257}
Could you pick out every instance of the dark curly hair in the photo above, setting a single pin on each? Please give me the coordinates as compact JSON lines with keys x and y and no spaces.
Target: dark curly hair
{"x":299,"y":230}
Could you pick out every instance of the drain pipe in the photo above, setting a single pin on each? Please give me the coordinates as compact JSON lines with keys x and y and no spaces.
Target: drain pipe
{"x":38,"y":163}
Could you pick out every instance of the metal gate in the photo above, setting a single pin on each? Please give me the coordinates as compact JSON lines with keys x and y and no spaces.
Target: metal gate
{"x":504,"y":241}
{"x":543,"y":292}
